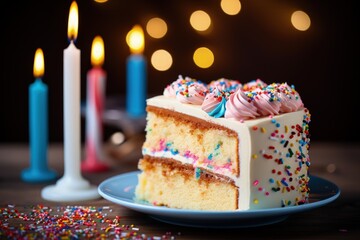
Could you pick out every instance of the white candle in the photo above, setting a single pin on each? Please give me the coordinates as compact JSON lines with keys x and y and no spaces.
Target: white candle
{"x":72,"y":100}
{"x":71,"y":187}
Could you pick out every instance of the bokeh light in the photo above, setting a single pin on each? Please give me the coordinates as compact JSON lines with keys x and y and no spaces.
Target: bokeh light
{"x":117,"y":138}
{"x":230,"y":7}
{"x":200,"y":20}
{"x":161,"y":60}
{"x":203,"y":57}
{"x":100,"y":1}
{"x":156,"y":27}
{"x":300,"y":20}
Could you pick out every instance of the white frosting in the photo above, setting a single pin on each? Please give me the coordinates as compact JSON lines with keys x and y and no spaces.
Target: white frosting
{"x":253,"y":146}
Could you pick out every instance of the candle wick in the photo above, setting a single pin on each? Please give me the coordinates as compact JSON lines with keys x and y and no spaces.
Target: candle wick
{"x":72,"y":40}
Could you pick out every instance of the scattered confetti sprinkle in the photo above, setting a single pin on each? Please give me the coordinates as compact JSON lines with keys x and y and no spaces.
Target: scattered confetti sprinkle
{"x":70,"y":222}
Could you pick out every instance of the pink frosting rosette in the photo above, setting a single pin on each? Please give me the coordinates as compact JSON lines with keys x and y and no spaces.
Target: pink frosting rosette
{"x":223,"y":84}
{"x":194,"y":93}
{"x":267,"y":101}
{"x":290,"y":98}
{"x":253,"y":85}
{"x":172,"y":89}
{"x":286,"y":98}
{"x":240,"y":106}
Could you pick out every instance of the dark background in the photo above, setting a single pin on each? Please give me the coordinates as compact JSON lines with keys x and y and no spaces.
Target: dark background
{"x":259,"y":42}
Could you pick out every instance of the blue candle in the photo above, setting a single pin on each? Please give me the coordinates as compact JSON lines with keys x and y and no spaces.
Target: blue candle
{"x":136,"y":74}
{"x":38,"y":126}
{"x":136,"y":85}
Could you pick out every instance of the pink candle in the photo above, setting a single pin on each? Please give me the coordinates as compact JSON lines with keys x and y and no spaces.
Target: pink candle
{"x":96,"y":78}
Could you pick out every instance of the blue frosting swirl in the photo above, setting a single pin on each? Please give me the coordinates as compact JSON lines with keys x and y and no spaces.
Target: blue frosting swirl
{"x":219,"y":110}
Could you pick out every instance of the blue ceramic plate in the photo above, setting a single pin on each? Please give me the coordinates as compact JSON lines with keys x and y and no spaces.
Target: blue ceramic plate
{"x":120,"y":189}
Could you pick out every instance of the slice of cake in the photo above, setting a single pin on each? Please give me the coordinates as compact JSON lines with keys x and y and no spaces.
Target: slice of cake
{"x":225,"y":146}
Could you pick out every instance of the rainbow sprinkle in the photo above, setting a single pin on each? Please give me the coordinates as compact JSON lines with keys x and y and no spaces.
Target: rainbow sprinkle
{"x":286,"y":179}
{"x":70,"y":222}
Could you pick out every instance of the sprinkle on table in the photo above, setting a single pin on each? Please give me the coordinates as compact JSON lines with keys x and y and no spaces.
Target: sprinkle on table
{"x":70,"y":222}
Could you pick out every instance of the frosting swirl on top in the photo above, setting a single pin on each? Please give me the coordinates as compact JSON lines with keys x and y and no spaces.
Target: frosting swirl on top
{"x":194,"y":93}
{"x":290,"y":98}
{"x":240,"y":106}
{"x":224,"y":85}
{"x":266,"y":101}
{"x":253,"y":85}
{"x":172,"y":89}
{"x":230,"y":99}
{"x":214,"y":103}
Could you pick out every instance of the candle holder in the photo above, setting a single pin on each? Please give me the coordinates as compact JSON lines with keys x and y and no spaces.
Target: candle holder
{"x":38,"y":172}
{"x":71,"y":187}
{"x":92,"y":163}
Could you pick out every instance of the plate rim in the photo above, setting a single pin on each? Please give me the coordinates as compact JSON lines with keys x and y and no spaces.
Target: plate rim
{"x":165,"y":211}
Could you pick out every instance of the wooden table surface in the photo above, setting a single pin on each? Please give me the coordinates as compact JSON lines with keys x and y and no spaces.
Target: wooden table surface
{"x":336,"y":162}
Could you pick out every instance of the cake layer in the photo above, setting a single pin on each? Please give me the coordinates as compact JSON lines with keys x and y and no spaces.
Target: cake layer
{"x":192,"y":141}
{"x":168,"y":183}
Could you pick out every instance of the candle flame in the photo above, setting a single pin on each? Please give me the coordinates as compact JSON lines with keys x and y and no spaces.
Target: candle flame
{"x":73,"y":22}
{"x":135,"y":39}
{"x":97,"y":52}
{"x":39,"y":63}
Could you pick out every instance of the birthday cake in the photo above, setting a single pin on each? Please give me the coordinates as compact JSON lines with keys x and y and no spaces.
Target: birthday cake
{"x":225,"y":146}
